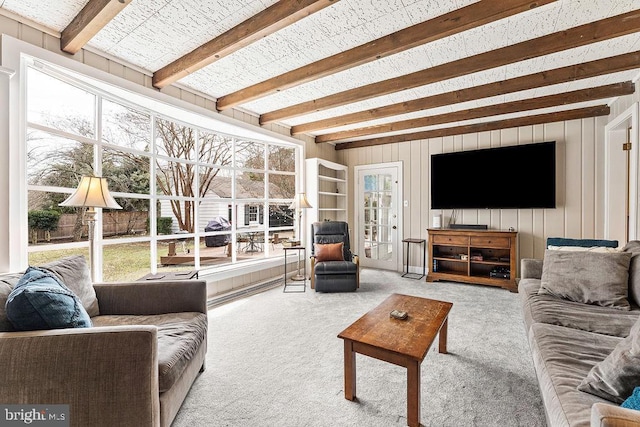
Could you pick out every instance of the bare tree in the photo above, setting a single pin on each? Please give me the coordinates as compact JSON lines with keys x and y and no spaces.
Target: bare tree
{"x":177,"y":178}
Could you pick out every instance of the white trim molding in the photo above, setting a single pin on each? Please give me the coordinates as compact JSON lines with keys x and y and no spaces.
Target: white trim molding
{"x":621,"y":122}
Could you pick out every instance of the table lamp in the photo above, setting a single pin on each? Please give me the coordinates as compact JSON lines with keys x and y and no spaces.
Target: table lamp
{"x":92,"y":192}
{"x":299,"y":203}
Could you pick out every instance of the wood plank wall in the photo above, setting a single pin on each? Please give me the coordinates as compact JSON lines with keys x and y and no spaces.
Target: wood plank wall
{"x":580,"y":178}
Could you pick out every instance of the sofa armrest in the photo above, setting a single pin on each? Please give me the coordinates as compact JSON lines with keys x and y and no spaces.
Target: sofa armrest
{"x":530,"y":268}
{"x":107,"y":375}
{"x":152,"y":297}
{"x":606,"y":415}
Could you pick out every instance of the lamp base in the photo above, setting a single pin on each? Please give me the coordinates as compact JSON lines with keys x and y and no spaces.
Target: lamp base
{"x":298,"y":278}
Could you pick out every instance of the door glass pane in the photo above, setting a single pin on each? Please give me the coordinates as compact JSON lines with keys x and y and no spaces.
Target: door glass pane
{"x":385,"y":251}
{"x":378,"y":216}
{"x":385,"y":200}
{"x":385,"y":182}
{"x":370,"y":183}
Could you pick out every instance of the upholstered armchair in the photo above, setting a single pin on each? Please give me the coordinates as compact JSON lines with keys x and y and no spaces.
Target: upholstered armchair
{"x":333,"y":267}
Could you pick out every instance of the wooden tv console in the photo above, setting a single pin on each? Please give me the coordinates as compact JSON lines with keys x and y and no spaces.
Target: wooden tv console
{"x":469,"y":256}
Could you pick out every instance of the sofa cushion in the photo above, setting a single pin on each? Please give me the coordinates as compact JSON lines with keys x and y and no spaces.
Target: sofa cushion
{"x":41,"y":301}
{"x":74,"y":273}
{"x":615,"y":377}
{"x":537,"y":308}
{"x":587,"y":277}
{"x":562,"y":358}
{"x":329,"y":252}
{"x":180,"y":335}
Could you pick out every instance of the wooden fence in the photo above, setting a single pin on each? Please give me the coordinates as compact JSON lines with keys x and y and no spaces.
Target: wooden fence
{"x":115,"y":223}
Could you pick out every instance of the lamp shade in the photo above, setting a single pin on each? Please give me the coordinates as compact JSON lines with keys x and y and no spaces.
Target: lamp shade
{"x":300,"y":202}
{"x":92,"y":192}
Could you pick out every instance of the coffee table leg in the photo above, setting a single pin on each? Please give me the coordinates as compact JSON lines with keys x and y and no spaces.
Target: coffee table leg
{"x":349,"y":370}
{"x":413,"y":394}
{"x":442,"y":343}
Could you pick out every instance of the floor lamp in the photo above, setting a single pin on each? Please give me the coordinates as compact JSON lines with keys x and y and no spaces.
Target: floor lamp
{"x":300,"y":203}
{"x":92,"y":192}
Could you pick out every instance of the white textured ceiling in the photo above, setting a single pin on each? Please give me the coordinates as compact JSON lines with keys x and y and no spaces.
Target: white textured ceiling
{"x":153,"y":33}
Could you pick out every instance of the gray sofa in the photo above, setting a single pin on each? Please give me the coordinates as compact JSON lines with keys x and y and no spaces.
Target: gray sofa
{"x":133,"y":367}
{"x":567,"y":340}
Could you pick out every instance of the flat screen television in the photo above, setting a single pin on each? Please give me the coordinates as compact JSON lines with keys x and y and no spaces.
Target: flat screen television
{"x":519,"y":176}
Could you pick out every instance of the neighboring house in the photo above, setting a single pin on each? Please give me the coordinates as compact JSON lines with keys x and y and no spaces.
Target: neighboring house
{"x":248,"y":213}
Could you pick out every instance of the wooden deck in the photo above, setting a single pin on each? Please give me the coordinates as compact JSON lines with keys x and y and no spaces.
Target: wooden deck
{"x":219,"y":255}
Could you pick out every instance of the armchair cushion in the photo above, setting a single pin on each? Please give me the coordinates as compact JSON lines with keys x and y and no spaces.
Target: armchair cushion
{"x":336,"y":267}
{"x":329,"y":252}
{"x":41,"y":301}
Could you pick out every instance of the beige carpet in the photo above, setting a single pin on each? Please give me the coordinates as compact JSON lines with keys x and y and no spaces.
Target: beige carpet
{"x":274,"y":360}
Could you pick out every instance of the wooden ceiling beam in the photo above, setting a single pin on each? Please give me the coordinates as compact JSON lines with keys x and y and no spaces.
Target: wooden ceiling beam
{"x":580,"y":113}
{"x":459,"y":20}
{"x":614,"y":64}
{"x":86,"y":24}
{"x":270,"y":20}
{"x":573,"y":97}
{"x":582,"y":35}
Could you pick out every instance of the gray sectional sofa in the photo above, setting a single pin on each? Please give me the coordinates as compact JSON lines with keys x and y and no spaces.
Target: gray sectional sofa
{"x":133,"y":367}
{"x":568,"y":337}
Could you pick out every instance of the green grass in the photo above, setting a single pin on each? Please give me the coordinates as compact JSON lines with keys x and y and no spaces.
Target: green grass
{"x":121,"y":262}
{"x":125,"y":262}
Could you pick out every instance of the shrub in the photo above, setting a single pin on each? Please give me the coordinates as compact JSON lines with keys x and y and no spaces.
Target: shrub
{"x":163,"y":224}
{"x":45,"y":220}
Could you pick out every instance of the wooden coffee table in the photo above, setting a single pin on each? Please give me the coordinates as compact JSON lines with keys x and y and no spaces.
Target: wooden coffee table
{"x":401,"y":342}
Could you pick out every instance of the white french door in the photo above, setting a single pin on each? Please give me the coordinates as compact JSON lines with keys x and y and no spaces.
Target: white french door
{"x":378,"y":215}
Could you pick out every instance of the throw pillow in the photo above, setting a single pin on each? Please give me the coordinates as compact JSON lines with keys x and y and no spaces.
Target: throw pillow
{"x":41,"y":301}
{"x":329,"y":252}
{"x":633,"y":401}
{"x":618,"y":374}
{"x":74,"y":272}
{"x":587,"y":277}
{"x":583,"y":249}
{"x":634,"y":270}
{"x":565,"y":241}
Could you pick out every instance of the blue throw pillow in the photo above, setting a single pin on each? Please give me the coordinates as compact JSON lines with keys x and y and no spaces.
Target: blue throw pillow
{"x":41,"y":301}
{"x":633,"y":401}
{"x":583,"y":243}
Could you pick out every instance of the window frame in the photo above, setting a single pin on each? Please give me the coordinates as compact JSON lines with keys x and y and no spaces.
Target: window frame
{"x":101,"y":95}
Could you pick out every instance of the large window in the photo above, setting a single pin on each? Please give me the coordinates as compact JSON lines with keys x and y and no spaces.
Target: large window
{"x":192,"y":197}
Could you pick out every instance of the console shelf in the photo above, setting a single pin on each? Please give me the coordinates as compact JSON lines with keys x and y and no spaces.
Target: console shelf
{"x":470,"y":256}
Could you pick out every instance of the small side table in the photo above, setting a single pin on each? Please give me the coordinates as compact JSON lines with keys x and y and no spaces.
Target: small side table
{"x":294,"y":282}
{"x":424,"y":258}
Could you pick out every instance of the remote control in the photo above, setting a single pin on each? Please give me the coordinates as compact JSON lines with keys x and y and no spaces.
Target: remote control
{"x":398,"y":314}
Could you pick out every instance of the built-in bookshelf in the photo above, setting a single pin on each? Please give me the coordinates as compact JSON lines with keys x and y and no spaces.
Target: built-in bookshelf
{"x":326,"y":190}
